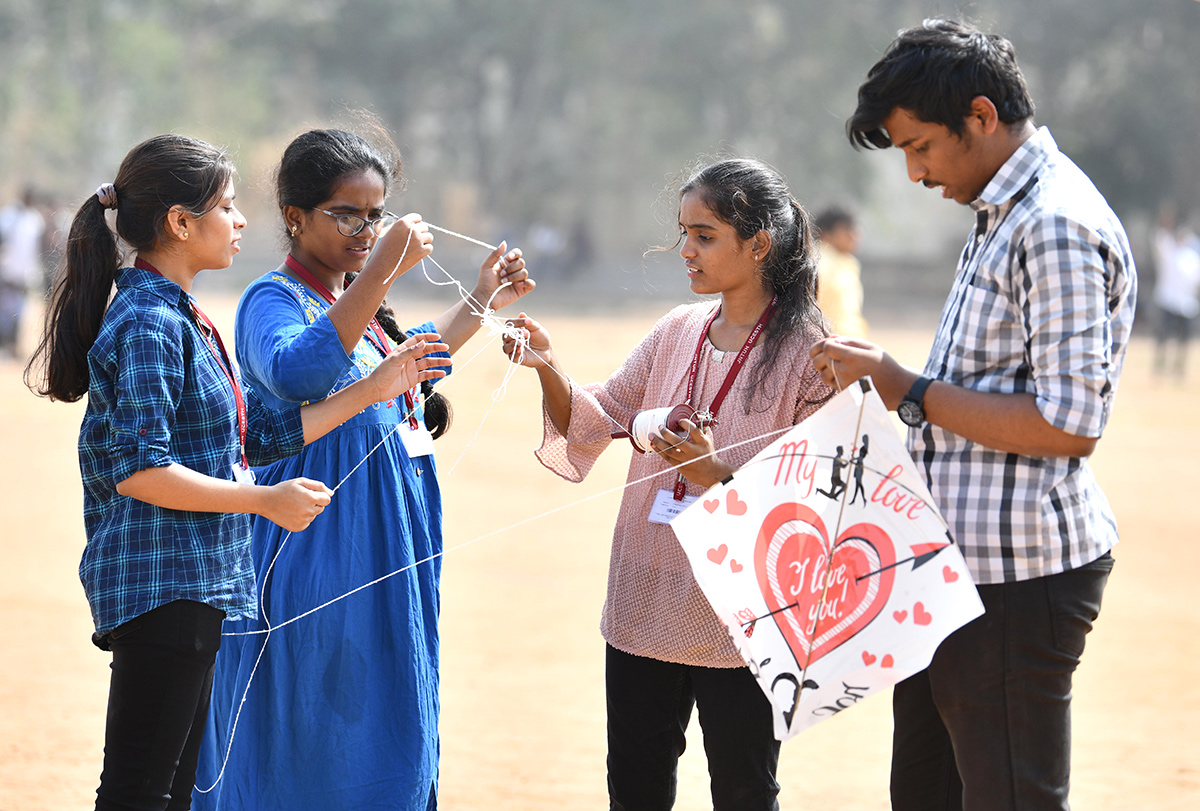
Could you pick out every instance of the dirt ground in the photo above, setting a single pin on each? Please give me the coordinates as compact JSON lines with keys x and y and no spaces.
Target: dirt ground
{"x":522,"y":690}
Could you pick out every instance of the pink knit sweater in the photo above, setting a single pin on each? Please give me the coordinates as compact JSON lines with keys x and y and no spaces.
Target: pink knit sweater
{"x":654,"y":606}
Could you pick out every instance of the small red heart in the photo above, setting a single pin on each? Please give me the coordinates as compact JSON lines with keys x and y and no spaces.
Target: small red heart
{"x":868,"y":659}
{"x":900,"y":616}
{"x":949,"y":574}
{"x":734,"y":566}
{"x":718,"y":555}
{"x":733,"y":505}
{"x":888,"y":661}
{"x":712,"y":504}
{"x":920,"y":615}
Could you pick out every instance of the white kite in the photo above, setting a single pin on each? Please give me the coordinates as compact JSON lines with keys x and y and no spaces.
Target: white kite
{"x":828,"y":562}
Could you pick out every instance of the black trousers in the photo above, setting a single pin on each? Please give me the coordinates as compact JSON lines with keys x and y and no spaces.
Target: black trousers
{"x":987,"y":726}
{"x":649,"y":705}
{"x":162,"y":673}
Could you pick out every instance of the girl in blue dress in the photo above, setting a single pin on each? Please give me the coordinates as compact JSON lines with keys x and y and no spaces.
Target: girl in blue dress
{"x":342,"y":712}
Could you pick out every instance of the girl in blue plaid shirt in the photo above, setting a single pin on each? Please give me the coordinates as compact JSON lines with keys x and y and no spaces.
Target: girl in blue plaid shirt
{"x":166,"y":444}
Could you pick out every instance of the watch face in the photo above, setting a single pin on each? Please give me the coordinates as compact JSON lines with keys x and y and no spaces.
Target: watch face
{"x":910,"y":413}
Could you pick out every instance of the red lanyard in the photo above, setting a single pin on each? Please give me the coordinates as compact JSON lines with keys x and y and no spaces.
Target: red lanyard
{"x":222,"y":358}
{"x":374,"y":334}
{"x":738,"y":363}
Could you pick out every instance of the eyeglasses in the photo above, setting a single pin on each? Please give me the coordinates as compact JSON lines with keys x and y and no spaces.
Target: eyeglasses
{"x":349,"y":225}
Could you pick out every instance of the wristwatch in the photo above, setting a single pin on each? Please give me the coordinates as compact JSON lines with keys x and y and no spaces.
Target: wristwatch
{"x":912,"y":408}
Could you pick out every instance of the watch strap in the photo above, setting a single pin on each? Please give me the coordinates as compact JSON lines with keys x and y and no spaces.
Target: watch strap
{"x":917,"y":393}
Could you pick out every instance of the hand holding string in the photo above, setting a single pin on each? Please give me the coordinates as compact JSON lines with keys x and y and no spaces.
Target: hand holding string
{"x":692,"y":452}
{"x":408,"y":365}
{"x":536,"y":351}
{"x":503,"y":279}
{"x":294,"y":504}
{"x":399,"y":250}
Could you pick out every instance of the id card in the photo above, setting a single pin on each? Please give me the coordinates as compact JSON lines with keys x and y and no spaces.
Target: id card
{"x":243,"y":475}
{"x":417,"y":441}
{"x":666,"y":507}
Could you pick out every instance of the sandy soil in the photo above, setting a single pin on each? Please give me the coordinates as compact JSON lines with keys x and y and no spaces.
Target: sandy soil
{"x":523,"y":720}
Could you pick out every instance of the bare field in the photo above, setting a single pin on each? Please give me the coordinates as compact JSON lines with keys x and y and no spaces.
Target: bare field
{"x":524,"y":578}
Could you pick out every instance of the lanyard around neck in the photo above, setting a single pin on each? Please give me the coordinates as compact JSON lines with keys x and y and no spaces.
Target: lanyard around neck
{"x":738,"y":363}
{"x":221,"y":356}
{"x":374,"y":333}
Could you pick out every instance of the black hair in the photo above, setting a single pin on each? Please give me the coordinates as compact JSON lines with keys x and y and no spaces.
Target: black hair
{"x":934,"y":71}
{"x":312,"y":166}
{"x":156,"y":175}
{"x":751,"y":196}
{"x":832,"y":218}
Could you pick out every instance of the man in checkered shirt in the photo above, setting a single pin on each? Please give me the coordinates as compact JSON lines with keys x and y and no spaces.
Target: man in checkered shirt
{"x":1017,"y":390}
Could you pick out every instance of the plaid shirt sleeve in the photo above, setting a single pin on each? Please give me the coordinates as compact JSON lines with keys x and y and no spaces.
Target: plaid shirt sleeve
{"x":147,"y":362}
{"x":1064,"y":274}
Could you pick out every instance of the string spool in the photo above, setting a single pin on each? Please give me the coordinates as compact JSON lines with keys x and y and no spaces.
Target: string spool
{"x":652,"y":421}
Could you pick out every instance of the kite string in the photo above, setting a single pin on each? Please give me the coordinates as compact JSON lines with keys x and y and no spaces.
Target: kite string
{"x":829,"y":556}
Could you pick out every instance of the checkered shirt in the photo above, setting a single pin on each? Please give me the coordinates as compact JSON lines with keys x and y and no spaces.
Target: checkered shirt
{"x":1042,"y":302}
{"x":158,"y":396}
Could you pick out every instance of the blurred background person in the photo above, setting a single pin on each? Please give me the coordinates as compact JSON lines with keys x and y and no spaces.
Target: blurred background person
{"x":21,"y":227}
{"x":1176,"y":290}
{"x":840,"y":291}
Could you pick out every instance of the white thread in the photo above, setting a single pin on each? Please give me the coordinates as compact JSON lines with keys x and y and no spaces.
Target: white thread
{"x":396,"y":269}
{"x":522,"y":522}
{"x":448,"y":232}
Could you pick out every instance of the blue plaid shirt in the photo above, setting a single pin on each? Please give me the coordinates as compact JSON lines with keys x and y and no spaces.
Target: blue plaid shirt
{"x":158,"y":396}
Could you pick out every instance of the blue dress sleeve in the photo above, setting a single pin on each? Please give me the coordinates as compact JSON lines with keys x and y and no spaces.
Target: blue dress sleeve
{"x":288,"y":350}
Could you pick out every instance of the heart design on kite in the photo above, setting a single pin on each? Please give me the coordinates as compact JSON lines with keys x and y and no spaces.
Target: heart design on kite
{"x":734,"y":566}
{"x":900,"y":615}
{"x":948,"y":574}
{"x":733,"y":505}
{"x":812,"y":586}
{"x":711,"y":504}
{"x":920,"y":615}
{"x":888,"y":661}
{"x":718,"y":555}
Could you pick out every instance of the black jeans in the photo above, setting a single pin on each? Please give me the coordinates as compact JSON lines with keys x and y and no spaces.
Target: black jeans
{"x":649,"y":705}
{"x":162,"y":673}
{"x":988,"y":724}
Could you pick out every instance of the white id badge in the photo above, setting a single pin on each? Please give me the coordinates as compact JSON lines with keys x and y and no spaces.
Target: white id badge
{"x":243,"y":475}
{"x":666,"y":507}
{"x":417,"y":441}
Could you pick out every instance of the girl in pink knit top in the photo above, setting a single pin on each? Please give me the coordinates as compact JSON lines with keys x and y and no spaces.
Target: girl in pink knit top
{"x":745,"y":239}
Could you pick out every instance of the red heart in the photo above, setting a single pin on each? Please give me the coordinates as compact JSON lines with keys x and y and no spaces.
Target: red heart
{"x":733,"y":505}
{"x":717,"y":555}
{"x":868,"y":659}
{"x":712,"y":504}
{"x":920,"y":615}
{"x":812,"y":587}
{"x":888,"y":661}
{"x":900,"y":616}
{"x":949,"y":574}
{"x":734,"y":566}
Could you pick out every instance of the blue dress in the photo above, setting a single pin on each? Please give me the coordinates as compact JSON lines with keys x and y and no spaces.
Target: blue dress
{"x":342,"y":712}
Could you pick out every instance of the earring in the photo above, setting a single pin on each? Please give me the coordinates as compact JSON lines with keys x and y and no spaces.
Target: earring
{"x":183,"y":235}
{"x":293,"y":230}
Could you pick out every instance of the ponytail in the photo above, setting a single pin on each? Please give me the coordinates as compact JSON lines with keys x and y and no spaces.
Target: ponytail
{"x":438,"y":413}
{"x":82,"y":286}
